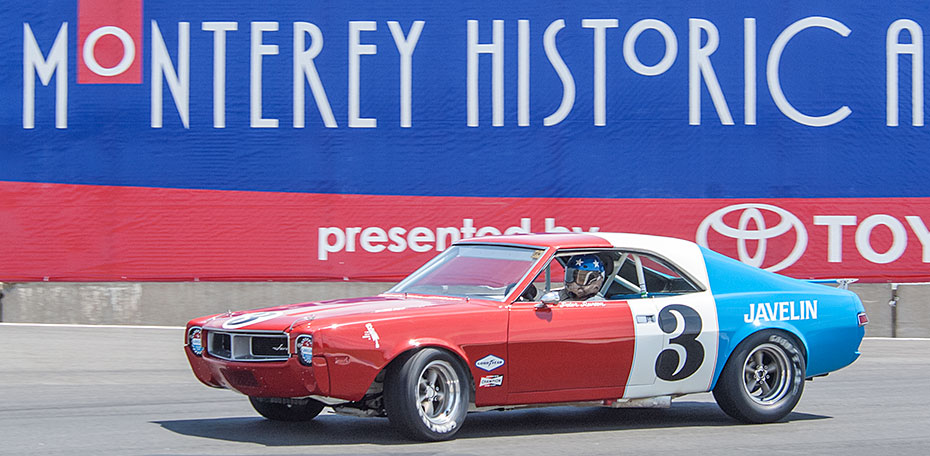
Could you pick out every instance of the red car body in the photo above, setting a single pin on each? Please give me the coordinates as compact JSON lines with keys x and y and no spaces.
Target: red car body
{"x":586,"y":355}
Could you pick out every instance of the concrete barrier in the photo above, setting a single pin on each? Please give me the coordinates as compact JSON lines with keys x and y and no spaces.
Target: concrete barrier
{"x":159,"y":303}
{"x":895,"y":310}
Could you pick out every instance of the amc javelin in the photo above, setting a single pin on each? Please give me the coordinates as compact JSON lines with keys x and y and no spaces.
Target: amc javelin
{"x":619,"y":320}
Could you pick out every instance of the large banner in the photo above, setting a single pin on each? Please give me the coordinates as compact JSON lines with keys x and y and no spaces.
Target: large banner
{"x":324,"y":140}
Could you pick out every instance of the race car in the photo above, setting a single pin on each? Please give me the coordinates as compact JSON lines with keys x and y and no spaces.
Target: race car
{"x":619,"y":320}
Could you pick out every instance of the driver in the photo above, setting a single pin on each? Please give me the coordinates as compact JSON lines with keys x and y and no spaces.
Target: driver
{"x":584,"y":276}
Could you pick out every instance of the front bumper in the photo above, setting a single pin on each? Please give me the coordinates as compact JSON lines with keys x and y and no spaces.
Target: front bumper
{"x":287,"y":378}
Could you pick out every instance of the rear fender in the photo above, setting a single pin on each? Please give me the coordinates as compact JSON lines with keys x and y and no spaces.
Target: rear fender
{"x":729,"y":343}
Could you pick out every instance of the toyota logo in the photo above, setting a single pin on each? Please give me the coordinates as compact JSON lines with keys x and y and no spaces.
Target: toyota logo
{"x":754,"y":212}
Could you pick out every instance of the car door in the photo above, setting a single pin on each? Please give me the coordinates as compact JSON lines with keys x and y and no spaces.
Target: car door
{"x":676,"y":330}
{"x":571,"y":350}
{"x":676,"y":345}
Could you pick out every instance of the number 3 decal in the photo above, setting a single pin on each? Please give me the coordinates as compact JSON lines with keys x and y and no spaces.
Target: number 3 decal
{"x":668,"y":360}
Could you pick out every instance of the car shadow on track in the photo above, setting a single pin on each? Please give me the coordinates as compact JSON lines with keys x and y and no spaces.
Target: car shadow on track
{"x":342,"y":430}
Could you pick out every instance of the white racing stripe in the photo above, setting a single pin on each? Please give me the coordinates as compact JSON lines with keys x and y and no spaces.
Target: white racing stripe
{"x":896,"y":338}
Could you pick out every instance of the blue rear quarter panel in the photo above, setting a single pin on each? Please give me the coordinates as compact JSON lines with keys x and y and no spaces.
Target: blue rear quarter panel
{"x":831,"y":336}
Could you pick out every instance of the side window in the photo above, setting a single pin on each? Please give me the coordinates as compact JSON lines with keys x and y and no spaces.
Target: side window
{"x":540,"y":285}
{"x":642,"y":276}
{"x":552,"y":278}
{"x":629,"y":275}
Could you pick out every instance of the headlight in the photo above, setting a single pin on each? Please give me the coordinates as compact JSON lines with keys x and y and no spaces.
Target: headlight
{"x":304,"y":348}
{"x":195,"y":340}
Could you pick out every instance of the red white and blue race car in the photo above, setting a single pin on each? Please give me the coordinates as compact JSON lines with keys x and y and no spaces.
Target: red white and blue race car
{"x":621,"y":320}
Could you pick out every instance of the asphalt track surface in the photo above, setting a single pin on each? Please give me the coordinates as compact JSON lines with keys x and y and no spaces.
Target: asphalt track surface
{"x":128,"y":391}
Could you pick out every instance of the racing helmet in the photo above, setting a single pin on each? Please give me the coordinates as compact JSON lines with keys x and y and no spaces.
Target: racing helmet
{"x":584,"y":275}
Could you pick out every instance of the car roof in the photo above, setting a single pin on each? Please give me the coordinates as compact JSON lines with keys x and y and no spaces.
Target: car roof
{"x":685,"y":254}
{"x":555,"y":240}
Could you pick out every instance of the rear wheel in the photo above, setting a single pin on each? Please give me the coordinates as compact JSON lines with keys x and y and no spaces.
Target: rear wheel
{"x":426,"y":396}
{"x":763,"y":379}
{"x":286,"y":409}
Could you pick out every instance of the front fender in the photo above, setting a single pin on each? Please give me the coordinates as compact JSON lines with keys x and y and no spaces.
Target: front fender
{"x":423,"y":342}
{"x":356,"y":352}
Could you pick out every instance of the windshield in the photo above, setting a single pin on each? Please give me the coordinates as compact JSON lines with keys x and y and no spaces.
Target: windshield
{"x":474,"y":271}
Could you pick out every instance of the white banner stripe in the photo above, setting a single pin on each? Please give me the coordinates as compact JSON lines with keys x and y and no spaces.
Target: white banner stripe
{"x":896,"y":338}
{"x":73,"y":325}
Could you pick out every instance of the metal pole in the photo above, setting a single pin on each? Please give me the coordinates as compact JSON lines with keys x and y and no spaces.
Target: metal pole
{"x":894,"y":304}
{"x":894,"y":310}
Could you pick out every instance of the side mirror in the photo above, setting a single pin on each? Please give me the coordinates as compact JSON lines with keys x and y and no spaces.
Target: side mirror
{"x":551,"y":297}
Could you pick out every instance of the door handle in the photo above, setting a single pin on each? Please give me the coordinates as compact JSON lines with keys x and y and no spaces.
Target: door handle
{"x":645,"y":318}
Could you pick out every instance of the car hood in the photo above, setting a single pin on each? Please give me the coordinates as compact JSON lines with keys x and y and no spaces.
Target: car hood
{"x":341,"y":311}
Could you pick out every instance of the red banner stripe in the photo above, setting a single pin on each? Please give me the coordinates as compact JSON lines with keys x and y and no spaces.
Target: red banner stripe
{"x":94,"y":233}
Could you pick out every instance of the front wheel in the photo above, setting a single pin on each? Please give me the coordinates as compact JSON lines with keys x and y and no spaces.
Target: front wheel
{"x":763,"y":379}
{"x":426,"y":396}
{"x":286,"y":409}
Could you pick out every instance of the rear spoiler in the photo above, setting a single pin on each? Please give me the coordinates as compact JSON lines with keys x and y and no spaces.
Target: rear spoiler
{"x":842,"y":284}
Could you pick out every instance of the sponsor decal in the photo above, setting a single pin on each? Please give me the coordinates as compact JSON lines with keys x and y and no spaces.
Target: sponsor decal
{"x":249,"y":319}
{"x":372,"y":335}
{"x":491,"y":381}
{"x":489,"y":363}
{"x":781,"y":311}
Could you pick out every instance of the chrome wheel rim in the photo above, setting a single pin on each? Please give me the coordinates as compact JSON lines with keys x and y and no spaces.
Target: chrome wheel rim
{"x":765,"y":374}
{"x":438,"y":393}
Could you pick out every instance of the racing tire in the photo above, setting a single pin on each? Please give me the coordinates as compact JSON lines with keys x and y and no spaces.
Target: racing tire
{"x":763,"y":379}
{"x":426,"y":396}
{"x":286,"y":410}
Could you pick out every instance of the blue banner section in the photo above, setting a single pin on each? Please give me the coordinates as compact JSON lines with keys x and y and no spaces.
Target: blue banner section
{"x":638,"y":99}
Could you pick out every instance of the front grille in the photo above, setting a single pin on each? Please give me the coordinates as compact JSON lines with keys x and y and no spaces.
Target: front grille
{"x":247,"y":346}
{"x":269,"y":346}
{"x":219,"y":345}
